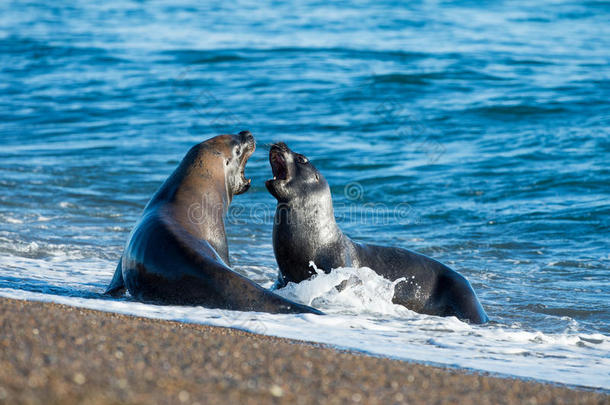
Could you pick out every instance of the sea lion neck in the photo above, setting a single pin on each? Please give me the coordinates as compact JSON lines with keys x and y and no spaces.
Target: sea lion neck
{"x":196,"y":197}
{"x":202,"y":190}
{"x":315,"y":214}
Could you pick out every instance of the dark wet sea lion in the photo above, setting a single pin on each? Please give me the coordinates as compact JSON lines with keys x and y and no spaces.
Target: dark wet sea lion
{"x":305,"y":230}
{"x":177,"y":253}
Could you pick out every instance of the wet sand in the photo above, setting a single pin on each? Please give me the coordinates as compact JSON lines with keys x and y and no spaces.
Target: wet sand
{"x":55,"y":354}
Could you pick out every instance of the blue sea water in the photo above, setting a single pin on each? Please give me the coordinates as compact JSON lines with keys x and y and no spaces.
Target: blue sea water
{"x":477,"y":133}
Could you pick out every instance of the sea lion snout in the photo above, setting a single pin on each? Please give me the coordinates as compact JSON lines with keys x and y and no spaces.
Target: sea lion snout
{"x":281,"y":146}
{"x":248,"y":142}
{"x":246,"y":136}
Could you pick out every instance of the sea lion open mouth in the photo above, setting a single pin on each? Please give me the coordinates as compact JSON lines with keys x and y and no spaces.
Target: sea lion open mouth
{"x":249,"y":145}
{"x":282,"y":166}
{"x":278,"y":163}
{"x":247,"y":153}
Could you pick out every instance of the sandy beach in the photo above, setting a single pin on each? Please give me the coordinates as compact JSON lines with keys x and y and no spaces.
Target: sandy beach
{"x":55,"y":354}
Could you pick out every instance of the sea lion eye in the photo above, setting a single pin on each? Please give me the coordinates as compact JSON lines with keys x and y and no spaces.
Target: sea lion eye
{"x":302,"y":159}
{"x":317,"y":177}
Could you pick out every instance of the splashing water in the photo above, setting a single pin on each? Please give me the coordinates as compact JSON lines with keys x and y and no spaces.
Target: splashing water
{"x":347,"y":290}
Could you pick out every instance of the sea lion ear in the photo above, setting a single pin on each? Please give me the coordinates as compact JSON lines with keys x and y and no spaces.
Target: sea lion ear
{"x":317,"y":177}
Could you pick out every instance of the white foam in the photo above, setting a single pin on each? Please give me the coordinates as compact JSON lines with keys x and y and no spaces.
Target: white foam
{"x":12,"y":220}
{"x":363,"y":292}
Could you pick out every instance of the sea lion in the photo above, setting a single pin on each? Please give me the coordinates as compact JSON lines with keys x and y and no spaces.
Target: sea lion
{"x":305,"y":230}
{"x":177,"y":252}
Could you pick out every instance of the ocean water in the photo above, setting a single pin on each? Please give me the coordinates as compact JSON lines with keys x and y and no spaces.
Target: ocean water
{"x":477,"y":133}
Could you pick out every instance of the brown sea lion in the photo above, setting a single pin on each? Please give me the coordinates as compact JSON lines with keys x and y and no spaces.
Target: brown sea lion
{"x":177,"y":252}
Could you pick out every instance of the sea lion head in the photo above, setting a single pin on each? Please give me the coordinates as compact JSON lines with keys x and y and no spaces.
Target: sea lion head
{"x":228,"y":154}
{"x":294,"y":176}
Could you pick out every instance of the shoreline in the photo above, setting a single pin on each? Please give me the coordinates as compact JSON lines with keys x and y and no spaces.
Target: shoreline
{"x":53,"y":353}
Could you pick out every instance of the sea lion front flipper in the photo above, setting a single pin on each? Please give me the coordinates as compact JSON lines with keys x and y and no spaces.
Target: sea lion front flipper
{"x":117,"y":285}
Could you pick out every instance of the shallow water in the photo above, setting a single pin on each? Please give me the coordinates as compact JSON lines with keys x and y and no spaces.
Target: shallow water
{"x":477,"y":135}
